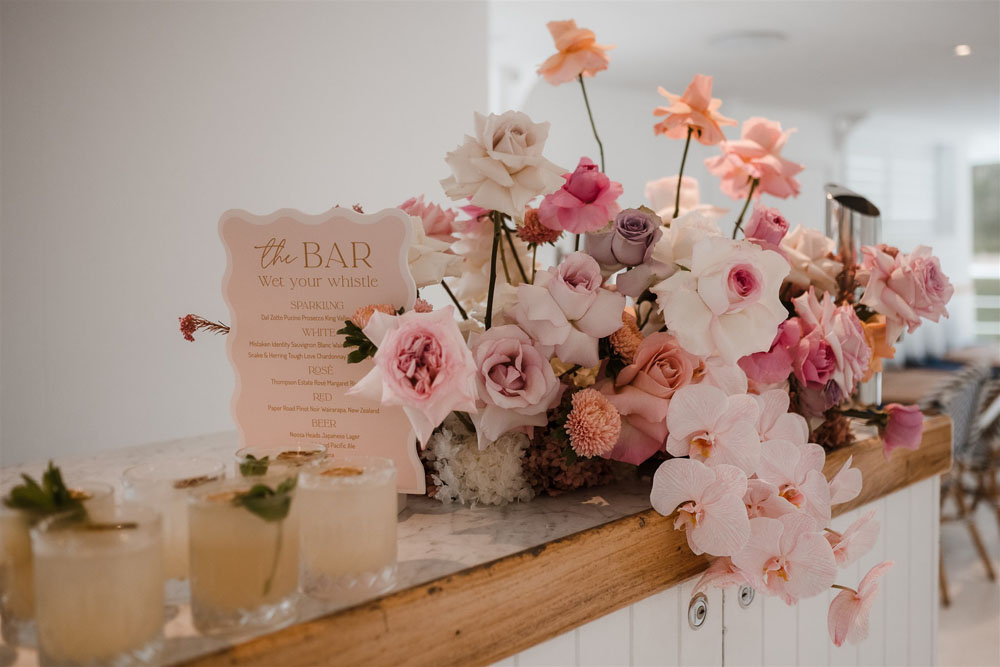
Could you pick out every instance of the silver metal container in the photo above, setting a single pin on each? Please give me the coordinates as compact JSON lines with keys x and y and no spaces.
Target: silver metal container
{"x":852,"y":221}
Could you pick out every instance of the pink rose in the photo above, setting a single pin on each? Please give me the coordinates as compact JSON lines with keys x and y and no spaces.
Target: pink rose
{"x":423,"y":365}
{"x":904,"y":428}
{"x":905,"y":288}
{"x":775,"y":365}
{"x":515,"y":381}
{"x":833,"y":335}
{"x":642,"y":393}
{"x":568,"y":309}
{"x":585,"y":203}
{"x":756,"y":155}
{"x":439,"y":223}
{"x":766,"y":227}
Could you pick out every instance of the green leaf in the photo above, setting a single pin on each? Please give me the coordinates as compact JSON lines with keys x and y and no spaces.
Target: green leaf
{"x":251,"y":466}
{"x":267,"y":503}
{"x":49,"y":497}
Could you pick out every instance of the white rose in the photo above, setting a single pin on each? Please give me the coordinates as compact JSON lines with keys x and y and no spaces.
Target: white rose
{"x":429,"y":258}
{"x":502,"y":168}
{"x":810,"y":254}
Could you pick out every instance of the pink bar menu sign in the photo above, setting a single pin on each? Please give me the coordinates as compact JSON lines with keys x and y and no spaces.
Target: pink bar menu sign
{"x":291,"y":281}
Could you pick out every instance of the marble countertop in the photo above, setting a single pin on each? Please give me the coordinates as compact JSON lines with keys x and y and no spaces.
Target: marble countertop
{"x":435,"y":540}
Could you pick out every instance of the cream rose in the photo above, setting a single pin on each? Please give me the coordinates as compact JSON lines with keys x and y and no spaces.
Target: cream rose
{"x":810,"y":254}
{"x":502,"y":168}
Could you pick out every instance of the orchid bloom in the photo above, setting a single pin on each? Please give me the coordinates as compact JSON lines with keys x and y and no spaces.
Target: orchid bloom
{"x":787,"y":557}
{"x":762,"y":499}
{"x":708,"y":502}
{"x":776,"y":422}
{"x":709,"y":426}
{"x":846,"y":484}
{"x":696,"y":111}
{"x":720,"y":574}
{"x":856,"y":541}
{"x":797,"y":472}
{"x":849,"y":611}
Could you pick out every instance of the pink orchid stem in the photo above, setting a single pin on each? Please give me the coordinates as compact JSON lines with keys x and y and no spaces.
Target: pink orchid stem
{"x":832,"y":532}
{"x":739,"y":220}
{"x":843,"y":588}
{"x":680,"y":175}
{"x":497,"y":222}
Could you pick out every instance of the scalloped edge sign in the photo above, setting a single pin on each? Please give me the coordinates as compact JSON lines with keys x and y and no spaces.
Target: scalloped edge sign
{"x":291,"y":281}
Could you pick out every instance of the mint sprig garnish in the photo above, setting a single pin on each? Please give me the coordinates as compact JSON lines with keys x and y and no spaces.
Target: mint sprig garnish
{"x":267,"y":503}
{"x":251,"y":466}
{"x":270,"y":505}
{"x":49,"y":497}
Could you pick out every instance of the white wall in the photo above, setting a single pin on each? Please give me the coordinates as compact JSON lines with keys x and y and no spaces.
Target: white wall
{"x":624,"y":118}
{"x":128,"y":128}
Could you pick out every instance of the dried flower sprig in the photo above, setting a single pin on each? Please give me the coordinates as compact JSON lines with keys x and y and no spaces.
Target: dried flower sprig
{"x":191,"y":323}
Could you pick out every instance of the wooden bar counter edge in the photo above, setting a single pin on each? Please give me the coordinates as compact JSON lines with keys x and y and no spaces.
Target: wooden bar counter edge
{"x":493,"y":610}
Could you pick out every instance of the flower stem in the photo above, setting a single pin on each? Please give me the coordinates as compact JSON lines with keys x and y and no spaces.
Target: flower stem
{"x":513,"y":251}
{"x":576,"y":242}
{"x":680,"y":175}
{"x":590,"y":115}
{"x":497,"y":221}
{"x":739,"y":220}
{"x":503,"y":260}
{"x":274,"y":563}
{"x":534,"y":261}
{"x":461,"y":311}
{"x":843,"y":588}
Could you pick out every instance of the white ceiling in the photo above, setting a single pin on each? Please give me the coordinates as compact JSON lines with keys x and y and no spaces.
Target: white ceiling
{"x":838,"y":57}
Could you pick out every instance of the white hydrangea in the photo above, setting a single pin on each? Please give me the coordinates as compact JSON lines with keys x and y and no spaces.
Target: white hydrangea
{"x":469,"y":476}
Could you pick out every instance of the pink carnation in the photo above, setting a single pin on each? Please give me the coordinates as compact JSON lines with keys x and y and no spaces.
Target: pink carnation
{"x":756,"y":155}
{"x":423,"y":365}
{"x":905,"y":288}
{"x":585,"y":203}
{"x":439,"y":223}
{"x":593,"y":425}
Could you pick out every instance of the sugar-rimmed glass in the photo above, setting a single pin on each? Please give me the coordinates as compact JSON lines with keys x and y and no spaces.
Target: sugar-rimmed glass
{"x":99,"y":587}
{"x":266,"y":460}
{"x":244,"y":564}
{"x":347,"y":524}
{"x":165,"y":485}
{"x":17,"y":587}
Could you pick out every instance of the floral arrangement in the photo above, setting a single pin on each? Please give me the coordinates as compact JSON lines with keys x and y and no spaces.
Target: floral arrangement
{"x":726,"y":362}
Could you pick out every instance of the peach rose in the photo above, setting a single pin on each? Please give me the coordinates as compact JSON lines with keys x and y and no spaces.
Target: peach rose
{"x":579,"y":54}
{"x":695,"y":109}
{"x":642,"y":391}
{"x":756,"y":156}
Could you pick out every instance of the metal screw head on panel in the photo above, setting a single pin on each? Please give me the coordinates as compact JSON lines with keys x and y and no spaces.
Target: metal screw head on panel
{"x":746,"y":596}
{"x":697,"y":611}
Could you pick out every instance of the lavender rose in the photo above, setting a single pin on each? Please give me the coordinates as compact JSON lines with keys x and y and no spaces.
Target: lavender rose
{"x":630,"y":240}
